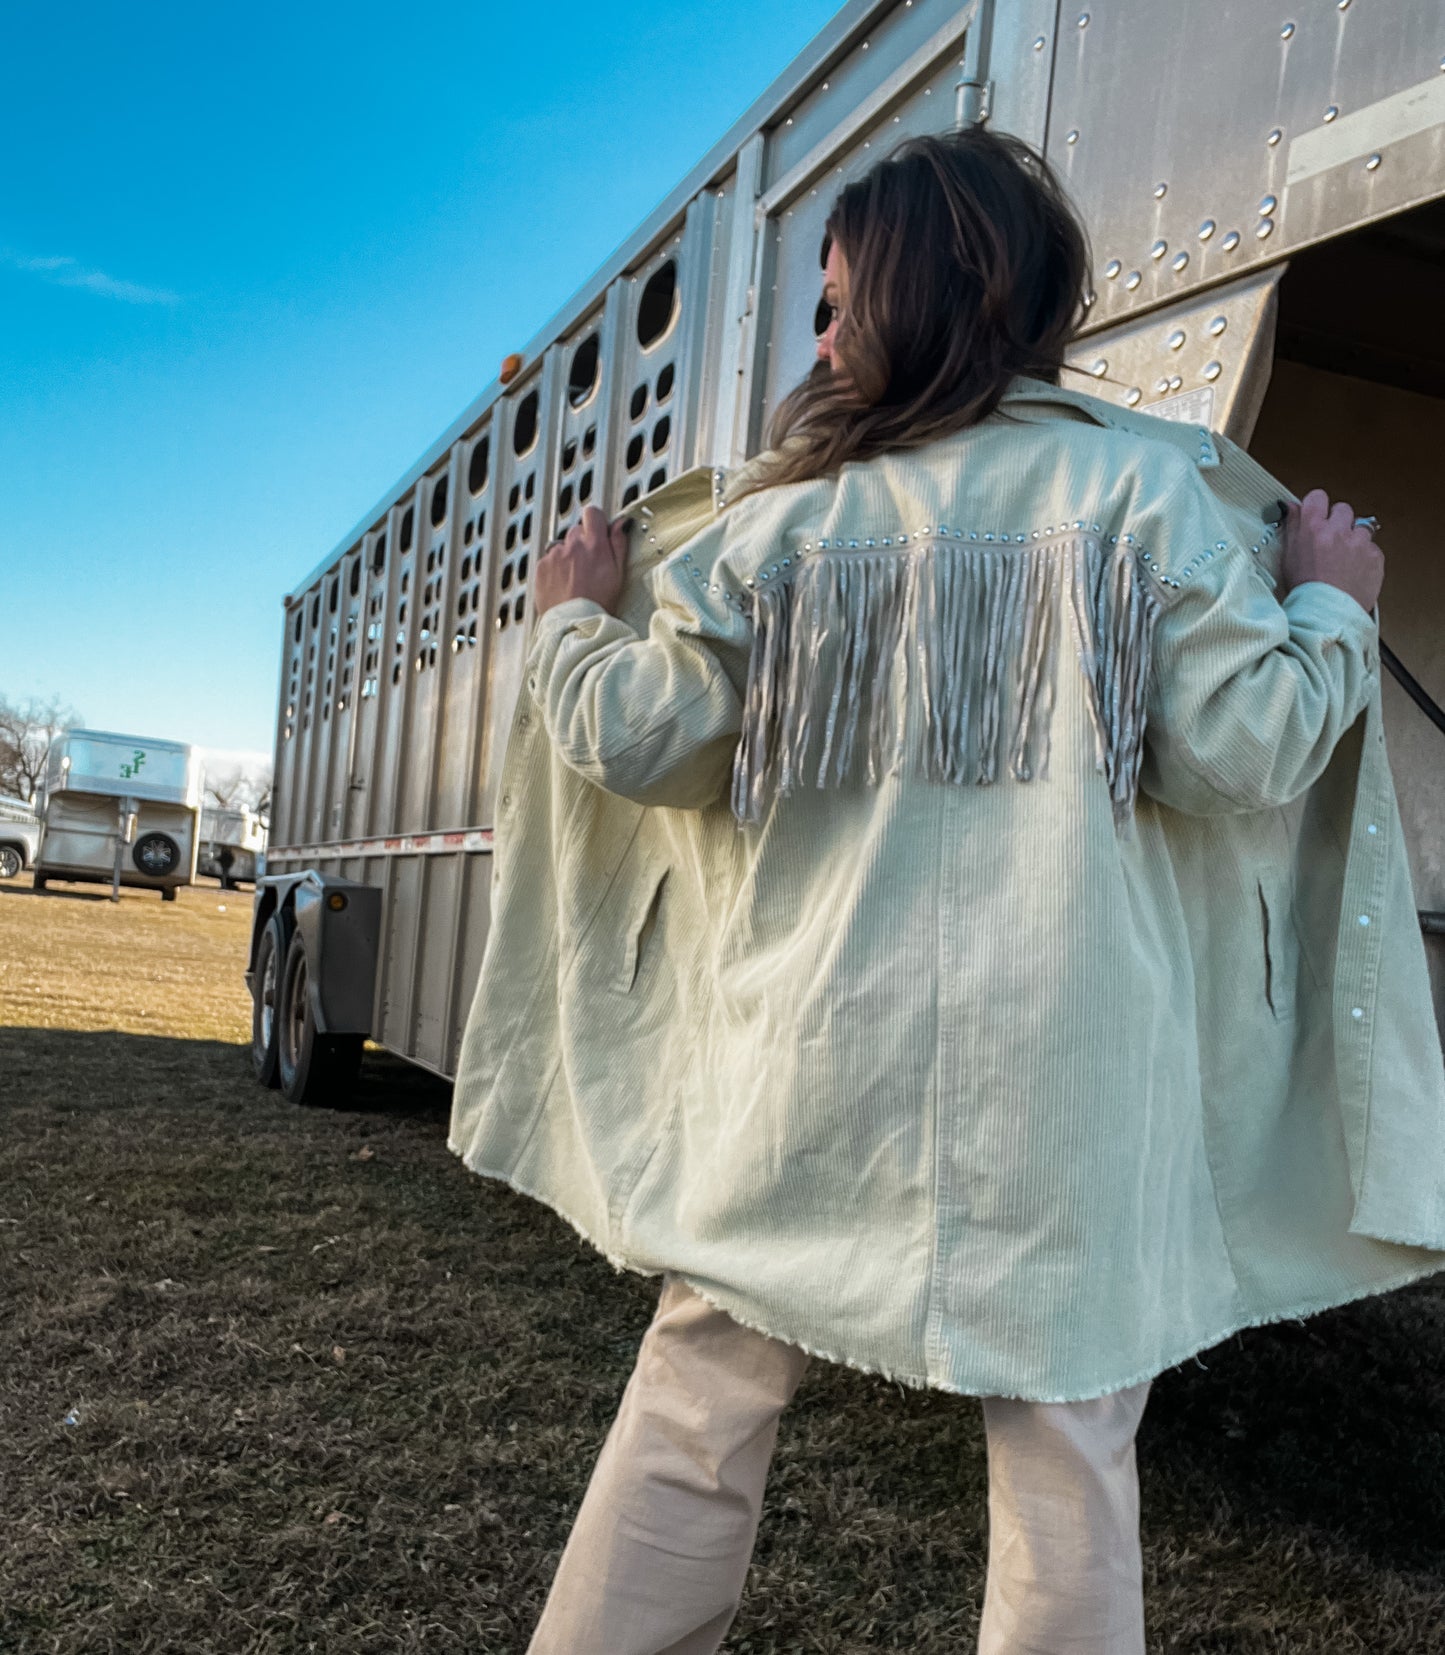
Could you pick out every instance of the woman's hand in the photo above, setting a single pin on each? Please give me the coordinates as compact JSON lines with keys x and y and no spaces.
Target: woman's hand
{"x":588,"y":562}
{"x":1322,"y":542}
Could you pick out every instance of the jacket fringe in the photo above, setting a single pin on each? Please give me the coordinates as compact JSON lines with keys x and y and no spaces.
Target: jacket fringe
{"x":942,"y":660}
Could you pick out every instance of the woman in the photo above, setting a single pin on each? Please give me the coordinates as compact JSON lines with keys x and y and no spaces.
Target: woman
{"x":983,"y":952}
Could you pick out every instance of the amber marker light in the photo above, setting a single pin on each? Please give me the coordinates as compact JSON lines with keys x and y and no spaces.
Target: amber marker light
{"x":336,"y":901}
{"x":511,"y":367}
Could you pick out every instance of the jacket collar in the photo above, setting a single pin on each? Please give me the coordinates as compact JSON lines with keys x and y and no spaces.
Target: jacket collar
{"x":1198,"y":442}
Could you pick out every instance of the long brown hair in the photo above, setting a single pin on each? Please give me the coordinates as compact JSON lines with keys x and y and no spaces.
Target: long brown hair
{"x":966,"y":267}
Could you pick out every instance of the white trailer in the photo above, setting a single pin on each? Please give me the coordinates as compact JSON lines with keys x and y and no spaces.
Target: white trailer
{"x":120,"y":810}
{"x":1264,"y":184}
{"x":233,"y":846}
{"x":19,"y":836}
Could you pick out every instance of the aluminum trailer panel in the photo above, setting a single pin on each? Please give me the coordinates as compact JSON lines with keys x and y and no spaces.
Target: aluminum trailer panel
{"x":1226,"y":165}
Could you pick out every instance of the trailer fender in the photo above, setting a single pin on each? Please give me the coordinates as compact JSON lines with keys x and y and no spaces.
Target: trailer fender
{"x":340,"y":923}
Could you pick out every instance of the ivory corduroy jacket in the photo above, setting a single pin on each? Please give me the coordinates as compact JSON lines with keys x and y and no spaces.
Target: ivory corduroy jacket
{"x":956,"y":916}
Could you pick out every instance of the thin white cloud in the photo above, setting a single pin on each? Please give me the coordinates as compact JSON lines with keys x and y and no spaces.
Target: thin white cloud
{"x":67,"y":272}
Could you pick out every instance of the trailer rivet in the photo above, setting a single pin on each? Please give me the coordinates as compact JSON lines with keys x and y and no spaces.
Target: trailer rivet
{"x":1159,"y":249}
{"x":1268,"y":204}
{"x":1039,"y":44}
{"x":1372,"y":163}
{"x":1286,"y":31}
{"x":1132,"y":280}
{"x":1132,"y":395}
{"x":1112,"y":269}
{"x":1264,"y":229}
{"x":1180,"y":260}
{"x":1083,"y":20}
{"x":1175,"y":382}
{"x":1176,"y":339}
{"x":1206,"y":230}
{"x":1231,"y":241}
{"x":1160,"y":191}
{"x":1160,"y":386}
{"x":1331,"y":112}
{"x":1212,"y":370}
{"x":1099,"y":367}
{"x":1072,"y":137}
{"x":1276,"y":133}
{"x":1342,"y":5}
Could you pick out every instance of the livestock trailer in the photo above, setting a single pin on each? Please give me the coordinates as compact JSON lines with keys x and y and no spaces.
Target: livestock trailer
{"x":19,"y":836}
{"x":1264,"y":183}
{"x":233,"y":846}
{"x":120,"y":810}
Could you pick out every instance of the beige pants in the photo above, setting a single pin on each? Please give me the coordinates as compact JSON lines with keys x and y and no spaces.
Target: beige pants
{"x":657,"y":1556}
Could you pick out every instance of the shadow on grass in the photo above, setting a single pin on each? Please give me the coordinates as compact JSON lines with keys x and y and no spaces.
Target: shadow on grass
{"x":82,"y":893}
{"x":1288,"y":1476}
{"x":58,"y":1061}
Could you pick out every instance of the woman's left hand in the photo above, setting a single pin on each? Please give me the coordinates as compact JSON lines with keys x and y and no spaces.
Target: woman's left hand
{"x":590,"y":561}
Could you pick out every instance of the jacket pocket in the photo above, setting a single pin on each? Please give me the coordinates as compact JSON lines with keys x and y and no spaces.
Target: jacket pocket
{"x":640,"y":931}
{"x":1280,"y":948}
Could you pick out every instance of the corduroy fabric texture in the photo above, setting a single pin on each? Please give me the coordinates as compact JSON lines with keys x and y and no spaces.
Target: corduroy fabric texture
{"x":1027,"y":1087}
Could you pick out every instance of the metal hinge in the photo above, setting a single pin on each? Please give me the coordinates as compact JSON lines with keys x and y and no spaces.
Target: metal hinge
{"x":974,"y":102}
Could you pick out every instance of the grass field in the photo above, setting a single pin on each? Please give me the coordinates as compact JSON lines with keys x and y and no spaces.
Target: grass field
{"x":288,"y":1381}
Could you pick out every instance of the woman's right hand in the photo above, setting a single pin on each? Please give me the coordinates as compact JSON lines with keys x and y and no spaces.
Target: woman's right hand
{"x":1322,"y":542}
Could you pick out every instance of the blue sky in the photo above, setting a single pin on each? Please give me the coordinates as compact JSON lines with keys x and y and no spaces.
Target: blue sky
{"x":252,"y":262}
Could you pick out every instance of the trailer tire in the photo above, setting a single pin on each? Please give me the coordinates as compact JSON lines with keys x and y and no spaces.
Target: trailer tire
{"x":266,"y":1000}
{"x":156,"y":854}
{"x":314,"y":1068}
{"x":11,"y":862}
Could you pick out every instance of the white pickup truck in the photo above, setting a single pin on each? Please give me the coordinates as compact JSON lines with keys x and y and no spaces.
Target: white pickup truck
{"x":19,"y":836}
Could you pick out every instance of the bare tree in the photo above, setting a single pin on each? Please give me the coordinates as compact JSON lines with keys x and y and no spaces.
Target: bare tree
{"x":241,"y":789}
{"x":27,"y":731}
{"x":226,"y":788}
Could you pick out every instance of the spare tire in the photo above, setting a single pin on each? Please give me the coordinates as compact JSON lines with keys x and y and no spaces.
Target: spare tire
{"x":157,"y":855}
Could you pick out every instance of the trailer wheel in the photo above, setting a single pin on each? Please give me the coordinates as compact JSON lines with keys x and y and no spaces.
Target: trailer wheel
{"x":314,"y":1068}
{"x":266,"y":1000}
{"x":11,"y":862}
{"x":156,"y":854}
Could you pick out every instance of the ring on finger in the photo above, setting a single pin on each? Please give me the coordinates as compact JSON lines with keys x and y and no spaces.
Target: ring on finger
{"x":1370,"y":523}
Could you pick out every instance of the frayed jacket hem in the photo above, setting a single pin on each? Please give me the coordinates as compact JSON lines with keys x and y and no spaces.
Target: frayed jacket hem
{"x":621,"y":1263}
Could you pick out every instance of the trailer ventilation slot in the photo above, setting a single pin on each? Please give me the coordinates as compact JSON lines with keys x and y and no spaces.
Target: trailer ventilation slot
{"x":657,"y":308}
{"x":439,"y":503}
{"x":524,"y":429}
{"x":480,"y":463}
{"x":586,"y":370}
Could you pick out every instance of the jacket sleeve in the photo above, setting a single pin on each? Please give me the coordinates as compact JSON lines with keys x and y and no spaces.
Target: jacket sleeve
{"x":1249,"y":695}
{"x":653,"y":718}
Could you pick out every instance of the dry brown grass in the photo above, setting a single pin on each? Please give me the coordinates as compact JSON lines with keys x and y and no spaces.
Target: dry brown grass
{"x":285,"y":1381}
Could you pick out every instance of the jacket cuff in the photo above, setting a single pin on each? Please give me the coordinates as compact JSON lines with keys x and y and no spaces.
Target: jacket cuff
{"x":1328,"y":609}
{"x":1337,"y":619}
{"x":550,"y":632}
